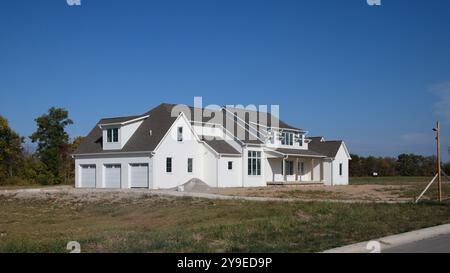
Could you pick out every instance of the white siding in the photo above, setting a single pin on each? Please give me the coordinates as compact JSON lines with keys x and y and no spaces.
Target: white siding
{"x":230,"y":178}
{"x":190,"y":147}
{"x":127,"y":131}
{"x":341,"y":157}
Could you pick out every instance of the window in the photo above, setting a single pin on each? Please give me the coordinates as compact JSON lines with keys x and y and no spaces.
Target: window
{"x":300,"y":140}
{"x":289,"y":168}
{"x":230,"y":165}
{"x":302,"y":168}
{"x":180,"y":134}
{"x":254,"y":163}
{"x":112,"y":135}
{"x":190,"y":163}
{"x":169,"y":165}
{"x":340,"y":168}
{"x":287,"y":139}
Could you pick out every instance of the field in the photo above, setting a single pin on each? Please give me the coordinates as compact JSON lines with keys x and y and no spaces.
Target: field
{"x":122,"y":222}
{"x":369,"y":189}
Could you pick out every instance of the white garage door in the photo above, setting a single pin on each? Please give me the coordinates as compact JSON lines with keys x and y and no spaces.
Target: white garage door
{"x":139,"y":175}
{"x":88,"y":176}
{"x":112,"y":176}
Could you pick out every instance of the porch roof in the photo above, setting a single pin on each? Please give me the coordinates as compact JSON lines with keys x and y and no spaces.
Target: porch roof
{"x":296,"y":152}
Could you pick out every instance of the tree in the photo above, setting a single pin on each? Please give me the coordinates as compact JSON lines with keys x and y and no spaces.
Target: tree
{"x":52,"y":141}
{"x":10,"y":149}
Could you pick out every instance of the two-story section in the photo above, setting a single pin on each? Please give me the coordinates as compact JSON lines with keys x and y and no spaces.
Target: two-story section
{"x":168,"y":147}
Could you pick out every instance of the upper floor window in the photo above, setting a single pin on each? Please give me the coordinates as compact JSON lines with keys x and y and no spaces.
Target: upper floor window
{"x":112,"y":135}
{"x":254,"y":163}
{"x":180,"y":134}
{"x":230,"y":165}
{"x":190,"y":164}
{"x":287,"y":138}
{"x":340,"y":168}
{"x":168,"y":164}
{"x":300,"y":140}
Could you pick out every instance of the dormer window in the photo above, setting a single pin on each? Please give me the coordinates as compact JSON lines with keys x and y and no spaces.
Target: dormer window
{"x":287,"y":139}
{"x":112,"y":135}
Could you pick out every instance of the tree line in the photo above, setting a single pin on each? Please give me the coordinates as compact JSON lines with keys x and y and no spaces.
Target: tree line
{"x":403,"y":165}
{"x":50,"y":164}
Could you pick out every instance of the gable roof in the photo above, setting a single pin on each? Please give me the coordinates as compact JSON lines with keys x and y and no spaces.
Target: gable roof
{"x":328,"y":148}
{"x":158,"y":122}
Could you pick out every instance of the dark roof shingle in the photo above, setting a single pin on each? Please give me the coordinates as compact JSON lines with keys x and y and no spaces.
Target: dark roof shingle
{"x":328,"y":148}
{"x":222,"y":147}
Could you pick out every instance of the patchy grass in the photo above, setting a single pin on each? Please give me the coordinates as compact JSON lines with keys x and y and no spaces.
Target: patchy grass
{"x":154,"y":224}
{"x":410,"y":187}
{"x":389,"y":180}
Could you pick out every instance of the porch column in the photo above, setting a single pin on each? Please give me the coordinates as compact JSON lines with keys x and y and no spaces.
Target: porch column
{"x":297,"y":169}
{"x":284,"y":170}
{"x":312,"y":169}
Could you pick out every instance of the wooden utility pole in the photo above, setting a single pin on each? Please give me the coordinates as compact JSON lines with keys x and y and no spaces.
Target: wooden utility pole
{"x":438,"y":140}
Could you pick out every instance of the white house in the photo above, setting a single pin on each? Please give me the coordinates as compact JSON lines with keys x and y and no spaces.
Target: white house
{"x":168,"y":146}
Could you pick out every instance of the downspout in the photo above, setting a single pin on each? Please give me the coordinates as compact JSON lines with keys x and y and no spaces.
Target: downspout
{"x":243,"y":165}
{"x":217,"y":171}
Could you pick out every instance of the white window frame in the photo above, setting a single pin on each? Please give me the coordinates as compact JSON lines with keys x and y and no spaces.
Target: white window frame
{"x":254,"y":163}
{"x":112,"y":135}
{"x":287,"y":138}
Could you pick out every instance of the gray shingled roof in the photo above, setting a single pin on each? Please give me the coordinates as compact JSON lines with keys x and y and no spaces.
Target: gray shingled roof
{"x":159,"y":121}
{"x":328,"y":148}
{"x":117,"y":120}
{"x":299,"y":152}
{"x":222,"y":147}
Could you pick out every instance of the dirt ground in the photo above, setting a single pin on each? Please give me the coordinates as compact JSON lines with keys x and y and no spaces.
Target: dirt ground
{"x":320,"y":192}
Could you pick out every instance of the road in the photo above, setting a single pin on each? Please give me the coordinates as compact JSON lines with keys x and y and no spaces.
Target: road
{"x":439,"y":244}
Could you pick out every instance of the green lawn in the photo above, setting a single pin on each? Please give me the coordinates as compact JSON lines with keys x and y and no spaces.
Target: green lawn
{"x":154,"y":224}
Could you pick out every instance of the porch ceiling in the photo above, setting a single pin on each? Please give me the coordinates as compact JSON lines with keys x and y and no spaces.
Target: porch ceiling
{"x":294,"y":153}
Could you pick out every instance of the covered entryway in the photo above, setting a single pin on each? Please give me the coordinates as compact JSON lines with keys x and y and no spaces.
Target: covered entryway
{"x":112,"y":176}
{"x":139,"y":175}
{"x":290,"y":166}
{"x":88,"y":173}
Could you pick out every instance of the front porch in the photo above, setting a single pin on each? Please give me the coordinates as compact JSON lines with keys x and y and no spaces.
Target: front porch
{"x":295,"y":169}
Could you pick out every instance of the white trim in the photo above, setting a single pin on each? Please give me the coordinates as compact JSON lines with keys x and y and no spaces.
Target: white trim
{"x":114,"y":153}
{"x":123,"y":122}
{"x":279,"y":128}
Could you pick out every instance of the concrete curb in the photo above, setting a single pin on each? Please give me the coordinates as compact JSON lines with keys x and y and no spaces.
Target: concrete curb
{"x":394,"y":240}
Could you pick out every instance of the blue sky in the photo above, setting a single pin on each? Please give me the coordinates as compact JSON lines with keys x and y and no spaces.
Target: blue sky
{"x":377,"y":77}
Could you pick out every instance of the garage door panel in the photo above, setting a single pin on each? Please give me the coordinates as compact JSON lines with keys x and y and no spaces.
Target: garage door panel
{"x":88,"y":176}
{"x":139,"y":175}
{"x":112,"y":176}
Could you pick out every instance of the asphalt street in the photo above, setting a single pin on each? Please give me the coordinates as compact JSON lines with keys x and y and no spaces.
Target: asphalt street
{"x":439,"y":244}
